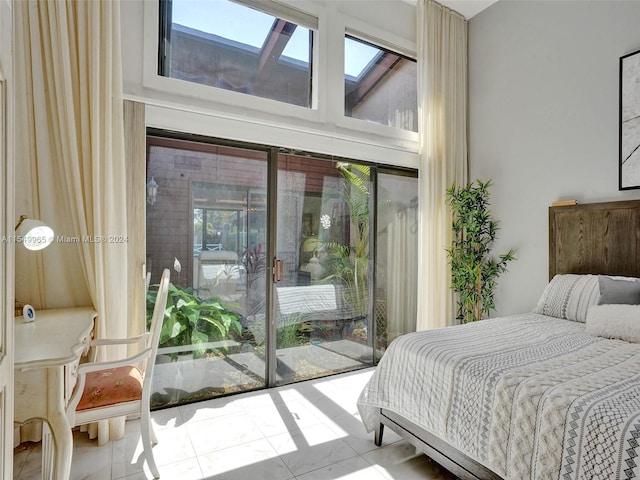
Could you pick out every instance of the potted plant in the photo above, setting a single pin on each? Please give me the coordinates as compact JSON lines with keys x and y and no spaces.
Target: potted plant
{"x":474,"y":271}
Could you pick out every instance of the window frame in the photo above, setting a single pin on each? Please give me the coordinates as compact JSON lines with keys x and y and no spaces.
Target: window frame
{"x":399,"y":47}
{"x":275,"y":10}
{"x":359,"y":38}
{"x":226,"y":110}
{"x":229,"y":99}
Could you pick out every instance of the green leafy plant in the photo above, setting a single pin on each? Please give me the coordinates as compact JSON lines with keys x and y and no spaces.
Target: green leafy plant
{"x":474,"y":271}
{"x":293,"y":334}
{"x":190,"y":320}
{"x":349,"y":262}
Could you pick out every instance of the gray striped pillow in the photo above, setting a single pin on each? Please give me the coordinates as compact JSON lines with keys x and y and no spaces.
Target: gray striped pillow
{"x":569,"y":296}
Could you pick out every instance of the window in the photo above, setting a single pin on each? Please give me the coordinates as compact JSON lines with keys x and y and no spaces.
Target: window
{"x":268,"y":58}
{"x":231,"y":46}
{"x":380,"y":85}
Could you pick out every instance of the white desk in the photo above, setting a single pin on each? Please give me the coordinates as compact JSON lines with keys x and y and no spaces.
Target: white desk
{"x":46,"y":353}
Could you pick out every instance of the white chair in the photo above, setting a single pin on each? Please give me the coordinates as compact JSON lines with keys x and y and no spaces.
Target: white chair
{"x":121,"y":387}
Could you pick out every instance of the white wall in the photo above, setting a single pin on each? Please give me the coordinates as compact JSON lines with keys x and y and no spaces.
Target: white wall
{"x":543,"y":100}
{"x":184,"y":106}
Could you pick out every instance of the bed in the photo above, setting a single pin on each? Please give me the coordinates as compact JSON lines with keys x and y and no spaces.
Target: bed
{"x":542,"y":395}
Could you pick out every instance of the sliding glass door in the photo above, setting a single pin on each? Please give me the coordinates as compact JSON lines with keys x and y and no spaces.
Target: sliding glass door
{"x":274,"y":270}
{"x":321,"y":290}
{"x":208,"y":224}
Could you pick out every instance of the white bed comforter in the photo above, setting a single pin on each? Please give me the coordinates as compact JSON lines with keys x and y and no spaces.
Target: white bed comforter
{"x":528,"y":396}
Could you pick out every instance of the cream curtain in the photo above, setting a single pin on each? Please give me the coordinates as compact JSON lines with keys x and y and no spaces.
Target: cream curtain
{"x":71,"y":167}
{"x":135,"y":144}
{"x":442,"y":105}
{"x":402,"y":251}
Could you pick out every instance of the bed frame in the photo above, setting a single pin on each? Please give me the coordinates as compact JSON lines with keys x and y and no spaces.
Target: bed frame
{"x":596,"y":238}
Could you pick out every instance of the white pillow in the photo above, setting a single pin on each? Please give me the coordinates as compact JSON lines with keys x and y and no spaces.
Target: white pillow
{"x":569,"y":296}
{"x":619,"y":321}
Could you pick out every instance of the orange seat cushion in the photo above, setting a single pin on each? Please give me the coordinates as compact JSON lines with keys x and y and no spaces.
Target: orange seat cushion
{"x":111,"y":386}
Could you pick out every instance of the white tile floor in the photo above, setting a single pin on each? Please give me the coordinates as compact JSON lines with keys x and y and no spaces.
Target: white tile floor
{"x":306,"y":431}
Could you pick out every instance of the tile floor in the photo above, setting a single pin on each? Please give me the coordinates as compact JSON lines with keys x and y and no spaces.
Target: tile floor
{"x":306,"y":431}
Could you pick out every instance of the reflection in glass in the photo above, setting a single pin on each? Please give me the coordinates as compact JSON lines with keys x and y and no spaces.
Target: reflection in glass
{"x":322,"y":311}
{"x":325,"y":315}
{"x":211,"y":217}
{"x":380,"y":85}
{"x":230,"y":46}
{"x":396,"y":259}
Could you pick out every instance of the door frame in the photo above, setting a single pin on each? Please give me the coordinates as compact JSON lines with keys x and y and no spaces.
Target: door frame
{"x":272,"y":239}
{"x":6,"y":232}
{"x":165,"y":137}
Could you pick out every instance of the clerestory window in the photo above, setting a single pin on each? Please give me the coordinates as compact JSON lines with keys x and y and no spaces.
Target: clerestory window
{"x":379,"y":85}
{"x":236,"y":47}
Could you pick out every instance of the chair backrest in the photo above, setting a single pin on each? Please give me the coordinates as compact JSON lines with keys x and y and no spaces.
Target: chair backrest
{"x":157,"y":319}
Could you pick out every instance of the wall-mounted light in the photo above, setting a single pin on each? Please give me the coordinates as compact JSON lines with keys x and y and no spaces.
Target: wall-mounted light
{"x":33,"y":234}
{"x":152,"y":191}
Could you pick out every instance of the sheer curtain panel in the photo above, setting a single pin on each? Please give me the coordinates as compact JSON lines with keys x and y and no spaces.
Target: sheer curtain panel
{"x":402,"y":253}
{"x":71,"y":171}
{"x":442,"y":105}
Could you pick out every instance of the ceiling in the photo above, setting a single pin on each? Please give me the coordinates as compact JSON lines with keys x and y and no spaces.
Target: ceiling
{"x":468,"y":8}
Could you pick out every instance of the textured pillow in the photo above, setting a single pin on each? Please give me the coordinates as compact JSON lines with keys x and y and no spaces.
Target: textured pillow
{"x":569,"y":296}
{"x":618,"y":290}
{"x":614,"y":321}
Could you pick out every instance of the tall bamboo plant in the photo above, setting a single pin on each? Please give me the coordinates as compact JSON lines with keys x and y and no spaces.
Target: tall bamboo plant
{"x":474,"y":272}
{"x":349,"y":262}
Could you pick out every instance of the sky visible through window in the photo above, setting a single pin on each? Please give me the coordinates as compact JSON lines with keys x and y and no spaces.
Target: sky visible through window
{"x":246,"y":25}
{"x":357,"y":55}
{"x":236,"y":22}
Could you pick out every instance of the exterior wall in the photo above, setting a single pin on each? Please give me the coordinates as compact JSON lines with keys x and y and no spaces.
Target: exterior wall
{"x":543,"y":115}
{"x":170,"y":221}
{"x":210,"y":60}
{"x":390,"y":102}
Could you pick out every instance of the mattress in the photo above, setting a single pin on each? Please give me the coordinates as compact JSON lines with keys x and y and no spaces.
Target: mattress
{"x":528,"y":396}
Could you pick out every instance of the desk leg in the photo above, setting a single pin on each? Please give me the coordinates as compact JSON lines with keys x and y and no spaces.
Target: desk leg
{"x":48,"y":451}
{"x":59,"y":424}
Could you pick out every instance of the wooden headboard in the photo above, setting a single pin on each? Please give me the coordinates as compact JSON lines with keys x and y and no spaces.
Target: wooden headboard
{"x":598,"y":238}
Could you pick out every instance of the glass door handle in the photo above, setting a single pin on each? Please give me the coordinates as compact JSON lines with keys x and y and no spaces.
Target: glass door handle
{"x":278,"y":270}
